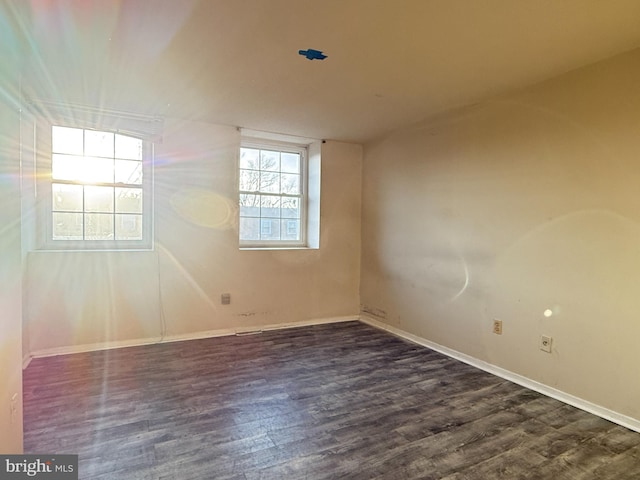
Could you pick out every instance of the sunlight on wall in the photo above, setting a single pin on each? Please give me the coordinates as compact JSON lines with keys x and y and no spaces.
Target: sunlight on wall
{"x":205,"y":208}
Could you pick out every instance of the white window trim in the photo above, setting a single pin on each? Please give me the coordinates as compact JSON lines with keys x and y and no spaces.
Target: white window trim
{"x":283,"y":146}
{"x":43,"y":153}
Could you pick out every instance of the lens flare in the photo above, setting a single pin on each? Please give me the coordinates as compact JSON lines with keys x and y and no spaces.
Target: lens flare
{"x":204,"y":208}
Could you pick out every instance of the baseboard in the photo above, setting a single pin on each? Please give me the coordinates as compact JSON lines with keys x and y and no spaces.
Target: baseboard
{"x":615,"y":417}
{"x":255,"y":329}
{"x":26,"y":360}
{"x":92,"y":347}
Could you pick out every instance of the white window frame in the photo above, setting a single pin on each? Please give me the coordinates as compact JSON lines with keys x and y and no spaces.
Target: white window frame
{"x":45,"y":197}
{"x":274,"y":145}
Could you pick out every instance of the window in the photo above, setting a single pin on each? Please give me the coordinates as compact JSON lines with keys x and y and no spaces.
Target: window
{"x":272,"y":194}
{"x":100,"y":190}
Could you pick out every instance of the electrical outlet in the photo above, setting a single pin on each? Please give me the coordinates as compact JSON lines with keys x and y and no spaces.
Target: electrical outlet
{"x":497,"y":326}
{"x":225,"y":299}
{"x":545,"y":343}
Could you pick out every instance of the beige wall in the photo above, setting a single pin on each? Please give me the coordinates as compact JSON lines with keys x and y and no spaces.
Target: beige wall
{"x":526,"y":203}
{"x":10,"y":279}
{"x":79,"y":298}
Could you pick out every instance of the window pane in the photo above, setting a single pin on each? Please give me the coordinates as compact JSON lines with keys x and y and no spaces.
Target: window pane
{"x":290,"y":162}
{"x":67,"y":197}
{"x":128,"y":171}
{"x":128,"y":227}
{"x":98,"y":226}
{"x":66,"y":167}
{"x":290,"y":207}
{"x":270,"y":229}
{"x":290,"y":229}
{"x":249,"y":228}
{"x":269,"y":161}
{"x":249,"y":158}
{"x":98,"y":144}
{"x":98,"y":199}
{"x":270,"y":206}
{"x":290,"y":184}
{"x":67,"y":140}
{"x":128,"y":147}
{"x":249,"y":205}
{"x":97,"y":170}
{"x":249,"y":180}
{"x":67,"y":226}
{"x":87,"y":204}
{"x":271,"y":200}
{"x":269,"y":182}
{"x":128,"y":200}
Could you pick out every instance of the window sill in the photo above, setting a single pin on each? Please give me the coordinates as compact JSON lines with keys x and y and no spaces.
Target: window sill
{"x":278,"y":248}
{"x":91,"y":250}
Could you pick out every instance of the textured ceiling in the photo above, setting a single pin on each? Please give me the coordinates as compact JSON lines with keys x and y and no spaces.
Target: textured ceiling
{"x":390,"y":62}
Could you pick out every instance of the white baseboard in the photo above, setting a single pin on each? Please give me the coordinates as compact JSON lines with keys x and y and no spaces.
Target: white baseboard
{"x":615,"y":417}
{"x":26,"y":360}
{"x":92,"y":347}
{"x":255,"y":329}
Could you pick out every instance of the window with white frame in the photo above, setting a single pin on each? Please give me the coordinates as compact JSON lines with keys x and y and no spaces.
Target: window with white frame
{"x":100,"y":190}
{"x":272,"y":188}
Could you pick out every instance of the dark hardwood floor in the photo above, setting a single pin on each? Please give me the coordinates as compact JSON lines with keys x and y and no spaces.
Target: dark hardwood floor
{"x":324,"y":402}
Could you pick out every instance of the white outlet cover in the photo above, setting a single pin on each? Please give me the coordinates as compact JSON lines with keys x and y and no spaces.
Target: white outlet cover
{"x":545,"y":343}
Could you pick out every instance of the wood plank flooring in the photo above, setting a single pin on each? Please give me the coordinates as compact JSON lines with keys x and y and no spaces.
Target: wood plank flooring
{"x":323,"y":402}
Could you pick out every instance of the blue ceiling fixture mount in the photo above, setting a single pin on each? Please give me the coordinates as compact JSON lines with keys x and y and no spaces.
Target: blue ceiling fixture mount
{"x":312,"y":54}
